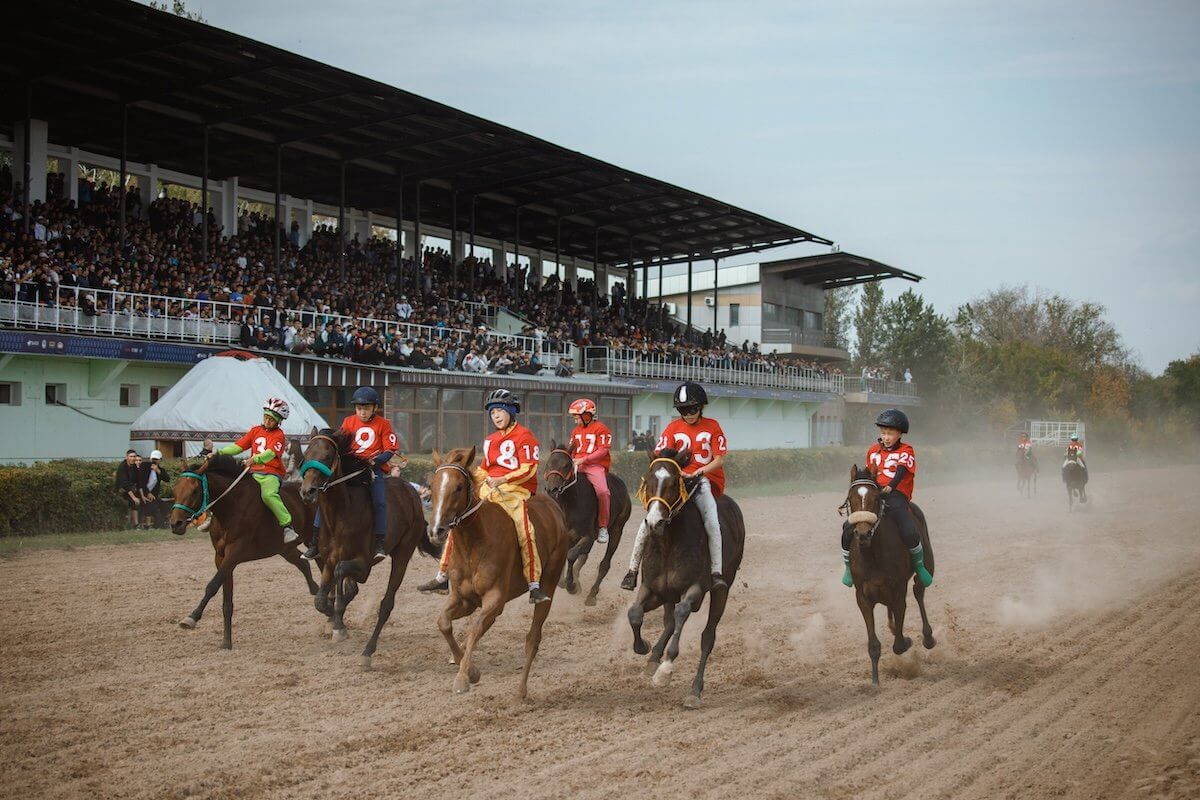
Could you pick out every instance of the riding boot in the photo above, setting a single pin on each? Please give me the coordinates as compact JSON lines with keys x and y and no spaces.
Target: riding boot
{"x":718,"y":582}
{"x":289,"y":534}
{"x":630,"y":580}
{"x":602,"y":536}
{"x":847,"y":580}
{"x":380,"y":548}
{"x":440,"y":584}
{"x":918,"y":562}
{"x":314,"y":549}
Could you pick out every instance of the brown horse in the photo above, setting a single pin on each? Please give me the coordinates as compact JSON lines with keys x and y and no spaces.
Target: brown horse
{"x":339,"y":483}
{"x":242,"y":528}
{"x":881,"y":565}
{"x":1027,"y":472}
{"x":485,"y":564}
{"x":676,"y":572}
{"x":1075,"y":478}
{"x":578,"y":501}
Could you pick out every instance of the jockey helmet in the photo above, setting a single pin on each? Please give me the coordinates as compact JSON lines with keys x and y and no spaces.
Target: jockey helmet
{"x":582,"y":406}
{"x":503,"y":398}
{"x":892,"y":418}
{"x":690,"y":394}
{"x":1074,"y":437}
{"x":364,"y":395}
{"x":277,"y":407}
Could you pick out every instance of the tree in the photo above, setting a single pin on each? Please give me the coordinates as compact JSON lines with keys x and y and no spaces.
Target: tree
{"x":178,"y":8}
{"x":1183,"y":385}
{"x":866,"y":322}
{"x":837,"y":317}
{"x":911,"y":333}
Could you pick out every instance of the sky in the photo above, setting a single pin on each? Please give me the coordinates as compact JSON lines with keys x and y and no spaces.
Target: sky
{"x":1054,"y":144}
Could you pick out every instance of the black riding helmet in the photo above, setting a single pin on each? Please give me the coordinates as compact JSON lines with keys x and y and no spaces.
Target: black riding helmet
{"x":502,"y":397}
{"x":892,"y":418}
{"x":690,"y":394}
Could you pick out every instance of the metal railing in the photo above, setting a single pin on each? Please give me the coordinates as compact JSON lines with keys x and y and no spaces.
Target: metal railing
{"x":793,"y":336}
{"x":113,"y":312}
{"x":881,"y":386}
{"x":631,"y":364}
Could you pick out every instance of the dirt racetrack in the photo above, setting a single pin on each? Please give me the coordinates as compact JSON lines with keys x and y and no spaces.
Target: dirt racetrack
{"x":1066,"y":665}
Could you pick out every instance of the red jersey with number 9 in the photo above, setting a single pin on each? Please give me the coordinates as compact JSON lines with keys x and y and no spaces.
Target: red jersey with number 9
{"x":513,"y":451}
{"x":705,"y":439}
{"x":883,"y":463}
{"x":259,"y":440}
{"x":370,"y":438}
{"x":588,"y":440}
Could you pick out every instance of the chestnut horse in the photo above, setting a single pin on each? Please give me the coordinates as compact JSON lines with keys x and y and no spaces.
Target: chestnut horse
{"x":242,"y":528}
{"x":339,"y":483}
{"x":881,"y":565}
{"x":485,"y":563}
{"x":578,"y":501}
{"x":676,"y":572}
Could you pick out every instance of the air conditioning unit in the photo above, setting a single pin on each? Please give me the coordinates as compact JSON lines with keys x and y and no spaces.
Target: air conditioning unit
{"x":708,"y":301}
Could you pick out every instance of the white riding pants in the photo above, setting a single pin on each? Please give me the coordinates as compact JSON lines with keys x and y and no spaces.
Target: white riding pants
{"x":704,"y":500}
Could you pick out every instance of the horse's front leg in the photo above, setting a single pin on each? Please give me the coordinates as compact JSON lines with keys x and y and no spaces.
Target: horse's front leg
{"x":656,"y":652}
{"x":926,"y":629}
{"x":900,"y":643}
{"x":873,"y":647}
{"x":189,"y":622}
{"x":683,"y":610}
{"x":227,"y":610}
{"x":456,"y":607}
{"x":468,"y":673}
{"x":637,"y":614}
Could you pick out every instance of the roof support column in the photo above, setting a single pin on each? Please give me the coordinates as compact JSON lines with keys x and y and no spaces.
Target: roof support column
{"x":558,"y":270}
{"x":400,"y":234}
{"x":418,"y":250}
{"x":689,"y":297}
{"x":716,"y":296}
{"x":124,"y":168}
{"x":454,"y":240}
{"x":278,"y":198}
{"x":474,"y":266}
{"x":517,"y":255}
{"x":204,"y":197}
{"x":601,"y":285}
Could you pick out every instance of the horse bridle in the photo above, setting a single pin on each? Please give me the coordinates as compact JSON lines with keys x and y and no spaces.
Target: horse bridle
{"x":325,"y":469}
{"x":672,"y":508}
{"x":204,"y":504}
{"x":459,"y":518}
{"x":844,"y":508}
{"x":567,"y":483}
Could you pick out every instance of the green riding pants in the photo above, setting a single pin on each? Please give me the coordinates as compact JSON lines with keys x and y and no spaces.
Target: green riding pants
{"x":268,"y":487}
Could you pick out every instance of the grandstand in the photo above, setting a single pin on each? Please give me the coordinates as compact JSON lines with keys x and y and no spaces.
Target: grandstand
{"x":177,"y":189}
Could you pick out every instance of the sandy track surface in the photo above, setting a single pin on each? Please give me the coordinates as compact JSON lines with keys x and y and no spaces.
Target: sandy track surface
{"x":1066,"y":666}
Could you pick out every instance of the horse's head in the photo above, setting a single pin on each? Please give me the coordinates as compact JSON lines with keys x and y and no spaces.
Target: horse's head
{"x":664,"y":488}
{"x":863,"y":504}
{"x":321,"y":460}
{"x":453,"y":493}
{"x":191,"y":495}
{"x":560,"y":469}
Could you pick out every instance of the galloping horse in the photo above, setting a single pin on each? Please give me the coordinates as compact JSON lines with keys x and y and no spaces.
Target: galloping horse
{"x":1027,"y":472}
{"x":578,"y":501}
{"x":1075,"y":480}
{"x":485,"y":564}
{"x":675,"y":568}
{"x":881,"y":565}
{"x":339,"y":483}
{"x":242,"y":528}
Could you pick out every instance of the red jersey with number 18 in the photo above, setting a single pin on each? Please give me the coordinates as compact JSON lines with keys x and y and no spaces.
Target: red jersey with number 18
{"x":515,"y":453}
{"x":705,"y":439}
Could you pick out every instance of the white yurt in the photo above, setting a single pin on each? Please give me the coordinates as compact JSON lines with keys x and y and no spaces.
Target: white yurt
{"x":220,"y":399}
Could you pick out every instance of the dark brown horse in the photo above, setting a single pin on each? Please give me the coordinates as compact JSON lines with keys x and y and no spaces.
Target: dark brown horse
{"x":242,"y":528}
{"x":485,"y":563}
{"x":339,"y":483}
{"x":675,"y":568}
{"x":1075,"y":479}
{"x":577,"y":497}
{"x":1027,"y":472}
{"x":881,"y":565}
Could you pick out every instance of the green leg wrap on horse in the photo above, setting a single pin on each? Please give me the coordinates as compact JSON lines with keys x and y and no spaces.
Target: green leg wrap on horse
{"x":918,"y":563}
{"x":268,"y":487}
{"x":847,"y":580}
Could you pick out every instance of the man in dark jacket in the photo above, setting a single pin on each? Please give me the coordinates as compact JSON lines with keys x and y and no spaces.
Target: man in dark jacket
{"x":130,"y":484}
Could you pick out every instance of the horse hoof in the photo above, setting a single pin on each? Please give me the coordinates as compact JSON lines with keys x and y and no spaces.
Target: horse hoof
{"x":641,"y":647}
{"x":692,"y":702}
{"x":327,"y":628}
{"x":651,"y":667}
{"x":662,"y":675}
{"x":339,"y":635}
{"x":187,"y":623}
{"x":901,"y":647}
{"x":590,"y":600}
{"x":461,"y":686}
{"x":929,"y":642}
{"x":226,"y":645}
{"x":572,"y":587}
{"x":365,"y":663}
{"x":473,"y":674}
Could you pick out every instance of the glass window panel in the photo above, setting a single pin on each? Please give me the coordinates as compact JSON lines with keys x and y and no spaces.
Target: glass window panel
{"x":427,"y":431}
{"x":404,"y":397}
{"x":452,"y":399}
{"x":472,"y":400}
{"x":427,"y":398}
{"x":456,"y":431}
{"x":402,"y":425}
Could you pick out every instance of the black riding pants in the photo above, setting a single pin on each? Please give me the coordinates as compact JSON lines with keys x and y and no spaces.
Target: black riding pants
{"x":896,"y":507}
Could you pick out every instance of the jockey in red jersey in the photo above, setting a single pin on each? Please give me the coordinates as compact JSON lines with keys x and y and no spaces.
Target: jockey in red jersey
{"x":592,"y":442}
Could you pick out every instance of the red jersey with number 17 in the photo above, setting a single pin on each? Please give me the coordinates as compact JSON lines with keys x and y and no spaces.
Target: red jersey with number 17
{"x":370,"y":438}
{"x":705,"y":439}
{"x":591,"y":441}
{"x":259,"y":440}
{"x":513,"y":452}
{"x":883,"y":463}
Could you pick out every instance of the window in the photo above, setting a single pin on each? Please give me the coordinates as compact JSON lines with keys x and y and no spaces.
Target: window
{"x":10,"y":394}
{"x":129,"y":394}
{"x":56,"y":394}
{"x":157,"y":392}
{"x":735,"y":313}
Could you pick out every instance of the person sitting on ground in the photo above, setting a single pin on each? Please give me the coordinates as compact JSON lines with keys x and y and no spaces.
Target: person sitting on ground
{"x":129,"y":485}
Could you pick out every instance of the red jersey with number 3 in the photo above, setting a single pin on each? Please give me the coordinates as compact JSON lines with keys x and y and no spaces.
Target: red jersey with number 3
{"x":513,"y":451}
{"x":588,"y":440}
{"x":370,"y":438}
{"x":259,"y":440}
{"x":883,"y":463}
{"x":705,"y":439}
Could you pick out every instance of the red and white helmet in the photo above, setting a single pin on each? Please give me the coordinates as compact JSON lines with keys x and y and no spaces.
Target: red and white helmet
{"x":582,"y":406}
{"x":277,"y":406}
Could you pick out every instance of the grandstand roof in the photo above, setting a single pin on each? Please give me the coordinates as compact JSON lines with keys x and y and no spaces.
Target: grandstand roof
{"x":83,"y":59}
{"x":831,"y":270}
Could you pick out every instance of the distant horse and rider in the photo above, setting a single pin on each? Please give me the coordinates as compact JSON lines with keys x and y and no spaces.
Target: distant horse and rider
{"x":1027,"y":467}
{"x":1075,"y":472}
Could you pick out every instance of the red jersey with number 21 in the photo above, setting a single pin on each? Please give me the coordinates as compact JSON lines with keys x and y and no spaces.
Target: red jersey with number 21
{"x":370,"y":438}
{"x":259,"y":440}
{"x":705,"y":439}
{"x":883,"y":463}
{"x":510,"y":451}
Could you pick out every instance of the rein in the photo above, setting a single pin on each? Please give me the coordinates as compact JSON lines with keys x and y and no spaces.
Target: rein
{"x":647,"y":499}
{"x":325,"y":469}
{"x":205,"y":505}
{"x":459,"y":518}
{"x":567,"y":484}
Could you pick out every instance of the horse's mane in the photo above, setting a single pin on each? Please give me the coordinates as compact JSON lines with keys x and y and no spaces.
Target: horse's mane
{"x":218,"y":465}
{"x":463,"y":456}
{"x":671,"y":453}
{"x":345,"y":445}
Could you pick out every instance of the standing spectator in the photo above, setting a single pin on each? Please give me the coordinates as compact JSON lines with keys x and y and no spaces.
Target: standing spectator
{"x":129,"y":485}
{"x":907,"y":375}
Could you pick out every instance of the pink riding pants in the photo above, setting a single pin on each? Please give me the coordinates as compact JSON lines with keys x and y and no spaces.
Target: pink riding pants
{"x":599,"y":480}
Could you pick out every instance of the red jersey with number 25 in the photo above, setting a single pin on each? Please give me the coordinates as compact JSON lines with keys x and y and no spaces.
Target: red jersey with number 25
{"x":513,"y":451}
{"x":883,"y":462}
{"x":705,"y":439}
{"x":370,"y":438}
{"x":588,"y":441}
{"x":259,"y":440}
